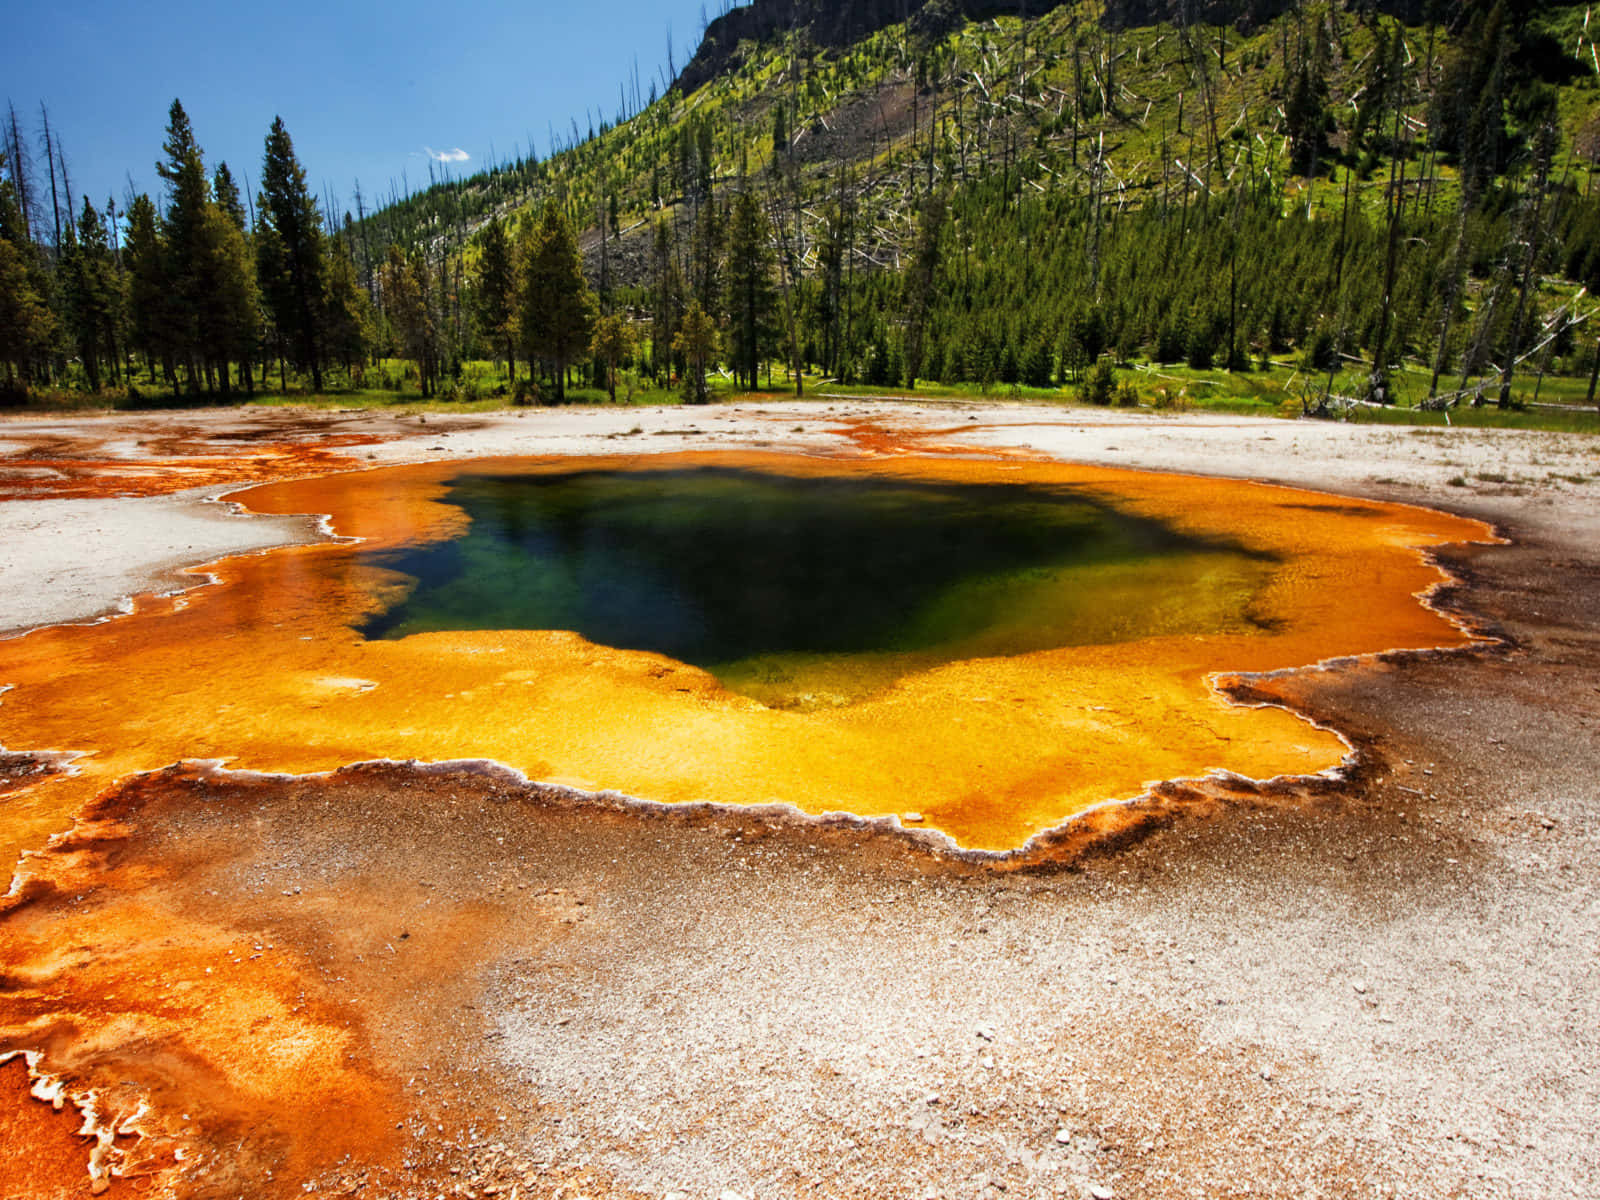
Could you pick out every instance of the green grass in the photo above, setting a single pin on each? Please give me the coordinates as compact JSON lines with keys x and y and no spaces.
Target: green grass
{"x":387,"y":384}
{"x":1276,"y":390}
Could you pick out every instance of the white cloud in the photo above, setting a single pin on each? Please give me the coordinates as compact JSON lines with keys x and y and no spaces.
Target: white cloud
{"x":458,"y":155}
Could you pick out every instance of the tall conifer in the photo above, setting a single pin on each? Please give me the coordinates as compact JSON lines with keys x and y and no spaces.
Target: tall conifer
{"x":183,"y":238}
{"x":749,"y":288}
{"x":292,"y":268}
{"x":557,"y":309}
{"x":496,"y":299}
{"x":26,"y":324}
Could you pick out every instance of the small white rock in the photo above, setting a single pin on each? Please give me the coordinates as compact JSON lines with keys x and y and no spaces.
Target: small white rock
{"x":911,"y":816}
{"x":1063,"y":1137}
{"x":1100,"y":1191}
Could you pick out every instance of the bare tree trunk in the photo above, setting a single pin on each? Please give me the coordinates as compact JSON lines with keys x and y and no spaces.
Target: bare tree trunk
{"x":788,"y":261}
{"x":50,"y":162}
{"x":1379,"y":386}
{"x":605,"y":260}
{"x":21,"y":177}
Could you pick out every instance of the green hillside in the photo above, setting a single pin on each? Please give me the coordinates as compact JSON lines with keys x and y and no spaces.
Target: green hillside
{"x":1386,"y":200}
{"x":1203,"y":193}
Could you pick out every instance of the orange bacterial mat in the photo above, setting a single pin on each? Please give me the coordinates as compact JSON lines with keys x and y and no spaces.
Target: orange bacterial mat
{"x":265,"y":670}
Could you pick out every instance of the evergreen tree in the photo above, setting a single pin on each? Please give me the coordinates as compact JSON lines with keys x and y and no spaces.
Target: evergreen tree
{"x":151,"y":304}
{"x":706,"y":252}
{"x":749,"y":286}
{"x":613,"y":343}
{"x":696,"y":340}
{"x":226,"y":193}
{"x":919,"y":283}
{"x":90,"y":293}
{"x":1305,"y":111}
{"x":229,"y":322}
{"x":408,"y":306}
{"x":184,"y":239}
{"x":292,"y":259}
{"x":557,"y":308}
{"x":347,"y":312}
{"x":273,"y":282}
{"x":27,"y":327}
{"x":209,"y":311}
{"x":1101,"y":386}
{"x":495,"y":305}
{"x":1469,"y":104}
{"x":666,"y":301}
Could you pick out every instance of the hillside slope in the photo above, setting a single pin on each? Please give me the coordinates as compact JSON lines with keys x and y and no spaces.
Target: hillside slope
{"x":1329,"y":178}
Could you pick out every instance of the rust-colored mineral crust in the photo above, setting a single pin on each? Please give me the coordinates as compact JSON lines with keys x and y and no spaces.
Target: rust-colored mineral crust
{"x":250,"y":992}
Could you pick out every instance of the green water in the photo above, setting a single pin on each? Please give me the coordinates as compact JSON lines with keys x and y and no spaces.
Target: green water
{"x":806,"y":592}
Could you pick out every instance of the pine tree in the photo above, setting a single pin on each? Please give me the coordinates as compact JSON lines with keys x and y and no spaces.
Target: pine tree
{"x":613,"y":343}
{"x":347,"y":312}
{"x":183,"y":236}
{"x":151,"y":304}
{"x":226,"y":192}
{"x":495,"y":304}
{"x":696,"y":340}
{"x":89,"y":290}
{"x":557,"y":309}
{"x":749,"y":286}
{"x":919,"y":283}
{"x":1305,"y":111}
{"x":293,"y":263}
{"x":27,"y":327}
{"x":666,"y":302}
{"x":1469,"y":104}
{"x":406,"y":302}
{"x":229,"y":321}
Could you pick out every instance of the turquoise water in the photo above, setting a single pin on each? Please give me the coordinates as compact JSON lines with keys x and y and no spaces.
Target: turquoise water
{"x":806,"y":591}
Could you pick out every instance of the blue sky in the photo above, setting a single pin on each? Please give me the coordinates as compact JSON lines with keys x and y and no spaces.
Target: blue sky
{"x":366,"y":90}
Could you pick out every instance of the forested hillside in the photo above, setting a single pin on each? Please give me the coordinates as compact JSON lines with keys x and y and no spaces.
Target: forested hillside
{"x":887,"y":191}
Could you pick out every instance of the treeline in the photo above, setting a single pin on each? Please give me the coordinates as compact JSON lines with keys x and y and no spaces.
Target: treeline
{"x":1387,"y":194}
{"x":1442,"y":215}
{"x":204,"y":292}
{"x":200,"y":293}
{"x":1006,"y":204}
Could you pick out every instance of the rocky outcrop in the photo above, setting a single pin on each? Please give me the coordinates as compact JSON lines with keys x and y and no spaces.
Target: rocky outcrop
{"x":839,"y":23}
{"x":827,"y":23}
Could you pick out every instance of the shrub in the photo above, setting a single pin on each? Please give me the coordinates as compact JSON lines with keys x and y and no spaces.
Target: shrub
{"x":1036,"y":366}
{"x":1322,"y":352}
{"x":1172,"y":342}
{"x":1101,"y":385}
